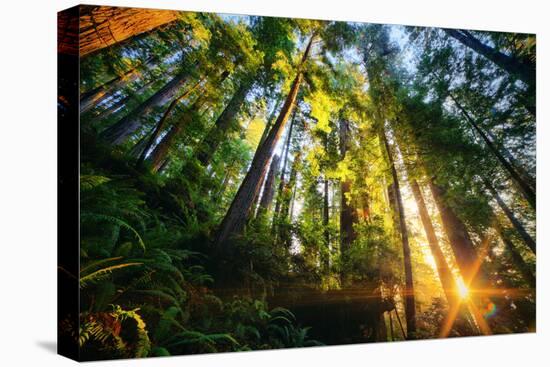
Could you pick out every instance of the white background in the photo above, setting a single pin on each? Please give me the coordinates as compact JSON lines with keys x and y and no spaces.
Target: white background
{"x":28,"y":182}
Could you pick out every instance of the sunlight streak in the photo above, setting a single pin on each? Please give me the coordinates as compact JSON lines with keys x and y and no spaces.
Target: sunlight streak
{"x":463,"y":291}
{"x":463,"y":287}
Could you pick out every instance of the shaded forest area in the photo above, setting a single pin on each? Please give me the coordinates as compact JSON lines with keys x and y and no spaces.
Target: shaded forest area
{"x":253,"y":183}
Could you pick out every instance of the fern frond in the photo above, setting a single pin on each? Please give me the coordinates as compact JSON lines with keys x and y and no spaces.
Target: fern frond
{"x":114,"y":220}
{"x":101,"y":273}
{"x":284,"y":311}
{"x":88,"y":182}
{"x":93,"y":264}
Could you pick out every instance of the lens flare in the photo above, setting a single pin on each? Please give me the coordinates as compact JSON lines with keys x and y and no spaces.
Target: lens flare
{"x":490,"y":310}
{"x":462,"y":289}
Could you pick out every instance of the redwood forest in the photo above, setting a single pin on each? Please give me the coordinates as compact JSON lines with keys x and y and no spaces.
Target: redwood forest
{"x":251,"y":183}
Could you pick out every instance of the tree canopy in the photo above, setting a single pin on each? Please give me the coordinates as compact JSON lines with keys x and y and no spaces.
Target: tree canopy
{"x":256,"y":182}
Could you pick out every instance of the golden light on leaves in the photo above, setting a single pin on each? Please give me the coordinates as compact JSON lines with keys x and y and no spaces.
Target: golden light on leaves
{"x":254,"y":132}
{"x":322,"y":106}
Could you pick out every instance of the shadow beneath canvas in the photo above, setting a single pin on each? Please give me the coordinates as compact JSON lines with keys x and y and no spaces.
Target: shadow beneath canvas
{"x":50,"y":346}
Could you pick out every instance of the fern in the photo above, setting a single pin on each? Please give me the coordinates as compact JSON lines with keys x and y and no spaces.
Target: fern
{"x":94,"y":264}
{"x":88,"y":182}
{"x":102,"y":273}
{"x":284,"y":311}
{"x":113,"y":220}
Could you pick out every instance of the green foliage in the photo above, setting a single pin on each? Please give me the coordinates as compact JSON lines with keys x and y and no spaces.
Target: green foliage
{"x":153,"y":279}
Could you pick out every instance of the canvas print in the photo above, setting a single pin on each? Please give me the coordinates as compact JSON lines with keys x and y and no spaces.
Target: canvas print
{"x":247,"y":183}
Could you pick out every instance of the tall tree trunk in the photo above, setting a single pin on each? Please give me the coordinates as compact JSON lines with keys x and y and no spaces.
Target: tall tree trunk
{"x":100,"y":93}
{"x":269,"y":188}
{"x":138,"y":147}
{"x":325,"y":258}
{"x":125,"y":127}
{"x":104,"y":26}
{"x":116,"y":106}
{"x":348,"y":214}
{"x":523,"y":185}
{"x":410,"y":308}
{"x":348,"y":217}
{"x":271,"y":118}
{"x":235,"y":218}
{"x":289,"y":187}
{"x":225,"y":123}
{"x":525,"y":71}
{"x":468,"y":259}
{"x":161,"y":150}
{"x":254,"y":208}
{"x":527,"y":239}
{"x":459,"y":238}
{"x":443,"y":270}
{"x":162,"y":122}
{"x":282,"y":181}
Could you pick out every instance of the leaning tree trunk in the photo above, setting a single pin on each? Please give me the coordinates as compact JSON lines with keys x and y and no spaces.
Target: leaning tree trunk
{"x":225,"y":123}
{"x":522,"y":70}
{"x":91,"y":98}
{"x":443,"y":270}
{"x":99,"y":27}
{"x":114,"y":107}
{"x":468,"y":259}
{"x":269,"y":188}
{"x":524,"y":186}
{"x":161,"y":150}
{"x":138,"y":147}
{"x":117,"y":106}
{"x":527,"y":239}
{"x":123,"y":129}
{"x":162,"y":121}
{"x":459,"y":238}
{"x":235,"y":218}
{"x":410,"y":308}
{"x":160,"y":153}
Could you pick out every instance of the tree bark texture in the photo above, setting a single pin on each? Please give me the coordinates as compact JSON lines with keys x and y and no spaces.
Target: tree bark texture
{"x":99,"y":27}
